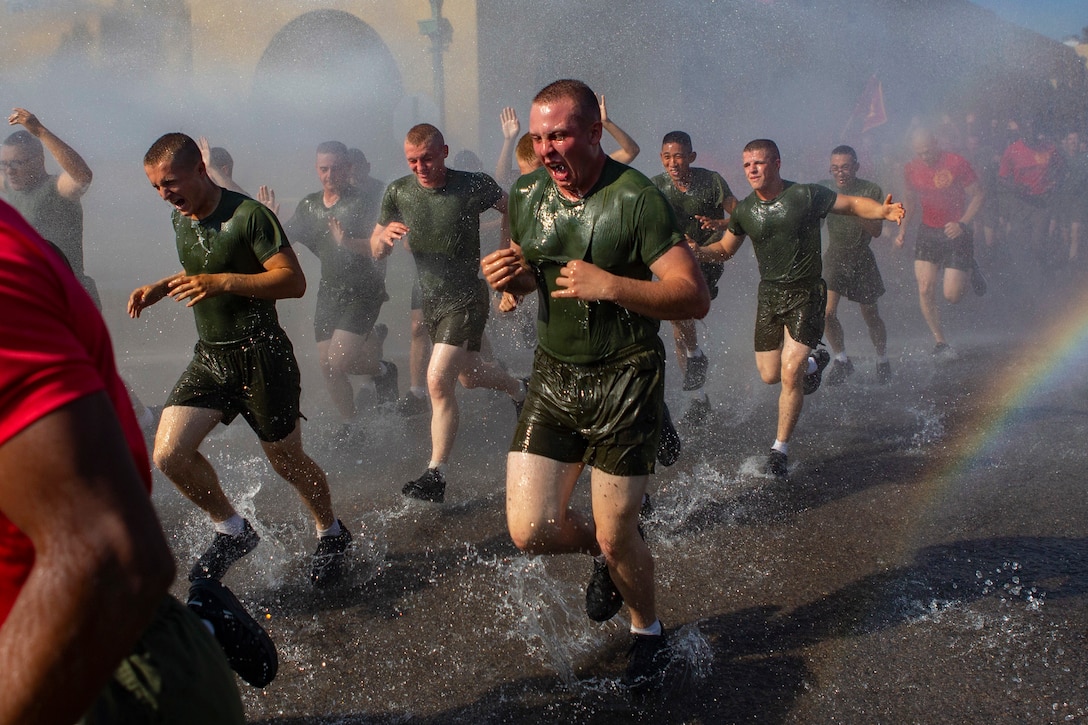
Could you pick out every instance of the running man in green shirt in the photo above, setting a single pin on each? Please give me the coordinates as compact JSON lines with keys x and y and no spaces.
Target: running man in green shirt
{"x":850,"y":269}
{"x":436,"y":212}
{"x":701,"y":200}
{"x":599,"y":244}
{"x":783,"y":219}
{"x":237,"y":262}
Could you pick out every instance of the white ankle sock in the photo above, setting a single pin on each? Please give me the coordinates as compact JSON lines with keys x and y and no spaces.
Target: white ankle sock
{"x":333,"y":530}
{"x":783,"y":448}
{"x":653,"y":630}
{"x":234,"y":526}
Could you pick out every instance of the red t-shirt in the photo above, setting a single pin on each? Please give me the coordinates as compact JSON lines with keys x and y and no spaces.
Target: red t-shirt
{"x":941,"y":188}
{"x":54,"y":349}
{"x":1033,"y":170}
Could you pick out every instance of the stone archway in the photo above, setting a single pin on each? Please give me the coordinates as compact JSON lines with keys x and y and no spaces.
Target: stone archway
{"x":327,"y":74}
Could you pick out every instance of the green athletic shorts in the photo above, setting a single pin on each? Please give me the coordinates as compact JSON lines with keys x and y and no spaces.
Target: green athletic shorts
{"x":176,"y":675}
{"x":349,"y":310}
{"x":853,"y":274}
{"x":258,"y":378}
{"x":607,"y":416}
{"x":797,"y":309}
{"x":461,"y":324}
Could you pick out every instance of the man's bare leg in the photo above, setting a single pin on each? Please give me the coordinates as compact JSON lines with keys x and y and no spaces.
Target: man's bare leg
{"x":291,"y":462}
{"x":177,"y":442}
{"x":616,"y":503}
{"x":538,"y":492}
{"x":927,"y":273}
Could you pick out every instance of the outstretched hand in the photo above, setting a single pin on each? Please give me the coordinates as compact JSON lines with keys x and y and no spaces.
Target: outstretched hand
{"x":205,"y":150}
{"x":267,"y":196}
{"x":26,"y":119}
{"x":893,"y":211}
{"x":511,"y":127}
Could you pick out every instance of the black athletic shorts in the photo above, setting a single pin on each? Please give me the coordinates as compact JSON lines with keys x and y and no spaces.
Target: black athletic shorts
{"x":461,"y":324}
{"x":933,"y":246}
{"x":339,"y":308}
{"x":607,"y":416}
{"x":258,"y":378}
{"x":853,"y":274}
{"x":797,"y":309}
{"x":712,"y":272}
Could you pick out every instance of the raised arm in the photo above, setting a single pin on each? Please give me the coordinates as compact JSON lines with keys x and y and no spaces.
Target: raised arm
{"x":511,"y":130}
{"x":628,"y":149}
{"x":76,"y":176}
{"x":214,"y":173}
{"x":101,"y":567}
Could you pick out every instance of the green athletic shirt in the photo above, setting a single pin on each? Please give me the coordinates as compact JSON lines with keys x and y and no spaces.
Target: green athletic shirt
{"x":846,"y":233}
{"x":443,"y":233}
{"x":238,"y":237}
{"x":57,"y":219}
{"x":706,"y":195}
{"x":623,"y":225}
{"x":785,"y":232}
{"x":341,"y":268}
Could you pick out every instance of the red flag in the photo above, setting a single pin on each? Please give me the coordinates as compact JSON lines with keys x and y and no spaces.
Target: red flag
{"x":870,"y":108}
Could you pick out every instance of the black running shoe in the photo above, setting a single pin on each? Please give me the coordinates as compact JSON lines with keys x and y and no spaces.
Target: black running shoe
{"x":603,"y":599}
{"x":224,"y":551}
{"x":385,"y":385}
{"x":647,"y":662}
{"x":943,"y":352}
{"x":249,"y":650}
{"x":776,"y":464}
{"x":328,"y":562}
{"x":411,"y":405}
{"x":669,"y":445}
{"x":431,"y":486}
{"x":811,"y":381}
{"x":883,"y":372}
{"x":978,"y":282}
{"x":839,"y":370}
{"x":695,"y":372}
{"x":697,"y":413}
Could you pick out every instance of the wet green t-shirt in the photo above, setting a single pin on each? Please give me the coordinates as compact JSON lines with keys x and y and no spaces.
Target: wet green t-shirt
{"x":443,"y":233}
{"x":846,"y":233}
{"x":785,"y":232}
{"x":623,"y":225}
{"x":706,"y":195}
{"x":238,"y":237}
{"x":57,"y":219}
{"x":342,"y":268}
